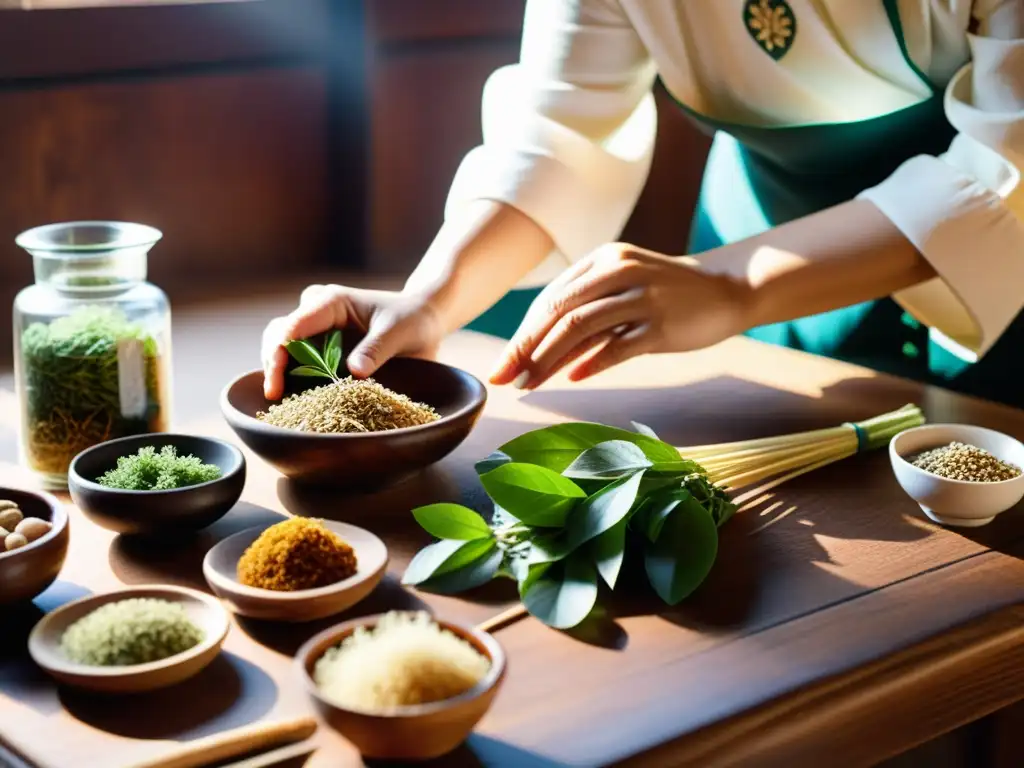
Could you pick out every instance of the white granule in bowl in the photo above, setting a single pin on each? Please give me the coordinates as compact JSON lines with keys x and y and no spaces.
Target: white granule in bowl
{"x":406,"y":659}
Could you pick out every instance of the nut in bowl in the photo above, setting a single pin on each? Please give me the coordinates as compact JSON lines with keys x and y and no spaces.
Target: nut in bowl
{"x":33,"y":543}
{"x":360,"y":674}
{"x":960,"y":475}
{"x":297,"y":570}
{"x":157,"y":484}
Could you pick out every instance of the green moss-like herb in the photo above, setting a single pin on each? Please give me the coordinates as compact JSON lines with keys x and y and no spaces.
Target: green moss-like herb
{"x":72,"y":389}
{"x":128,"y":632}
{"x":151,"y":471}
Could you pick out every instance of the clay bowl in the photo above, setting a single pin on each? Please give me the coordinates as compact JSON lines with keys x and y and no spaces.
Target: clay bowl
{"x":157,"y":513}
{"x":420,"y":732}
{"x":364,"y":461}
{"x":220,"y":569}
{"x":30,"y":570}
{"x":203,"y":610}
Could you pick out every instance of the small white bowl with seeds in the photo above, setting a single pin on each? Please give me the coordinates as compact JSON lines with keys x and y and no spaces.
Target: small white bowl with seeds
{"x":960,"y":475}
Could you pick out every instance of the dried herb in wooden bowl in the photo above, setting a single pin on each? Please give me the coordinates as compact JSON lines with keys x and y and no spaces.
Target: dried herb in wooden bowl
{"x":346,"y":404}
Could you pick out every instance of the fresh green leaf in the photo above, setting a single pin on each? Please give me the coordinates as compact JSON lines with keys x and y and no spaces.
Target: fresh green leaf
{"x":308,"y":370}
{"x":563,"y":597}
{"x":682,"y":557}
{"x":535,"y":495}
{"x":549,"y":549}
{"x":608,"y":550}
{"x":495,"y":460}
{"x":662,"y":506}
{"x":643,"y":429}
{"x":682,"y":468}
{"x":452,"y":521}
{"x":602,"y":510}
{"x":726,"y":509}
{"x":332,"y":352}
{"x":557,"y":446}
{"x":306,"y":354}
{"x":473,"y":574}
{"x":529,"y":575}
{"x":443,"y":557}
{"x":610,"y":459}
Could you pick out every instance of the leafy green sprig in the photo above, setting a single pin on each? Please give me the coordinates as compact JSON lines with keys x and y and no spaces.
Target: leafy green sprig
{"x":568,"y":500}
{"x":315,"y":363}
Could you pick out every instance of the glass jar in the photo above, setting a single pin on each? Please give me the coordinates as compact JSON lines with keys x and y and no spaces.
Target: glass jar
{"x":92,"y":342}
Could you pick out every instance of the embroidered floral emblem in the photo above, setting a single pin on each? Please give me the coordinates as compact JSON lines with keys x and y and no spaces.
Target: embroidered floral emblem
{"x":772,"y":25}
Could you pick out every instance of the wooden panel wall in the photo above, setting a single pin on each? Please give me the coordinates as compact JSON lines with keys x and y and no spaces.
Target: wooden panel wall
{"x":427,"y":66}
{"x":225,"y":125}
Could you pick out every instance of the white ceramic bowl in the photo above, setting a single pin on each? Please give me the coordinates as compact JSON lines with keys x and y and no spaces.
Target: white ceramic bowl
{"x":957,"y":502}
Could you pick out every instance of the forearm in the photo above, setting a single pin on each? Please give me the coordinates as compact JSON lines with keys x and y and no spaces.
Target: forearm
{"x":841,"y":256}
{"x":476,"y":259}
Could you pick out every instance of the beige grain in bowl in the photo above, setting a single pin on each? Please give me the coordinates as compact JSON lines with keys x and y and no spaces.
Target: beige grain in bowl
{"x":958,"y":503}
{"x":414,"y":732}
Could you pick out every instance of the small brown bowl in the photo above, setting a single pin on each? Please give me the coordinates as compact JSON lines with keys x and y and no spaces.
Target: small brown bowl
{"x":30,"y":570}
{"x":203,"y":610}
{"x":156,"y":513}
{"x":369,"y":460}
{"x":220,"y":567}
{"x":421,"y":732}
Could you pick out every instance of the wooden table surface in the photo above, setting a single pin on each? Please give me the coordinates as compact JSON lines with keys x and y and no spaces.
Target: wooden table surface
{"x":838,"y":627}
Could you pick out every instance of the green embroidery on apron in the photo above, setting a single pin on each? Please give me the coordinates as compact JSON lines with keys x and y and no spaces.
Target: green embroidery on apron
{"x":772,"y":25}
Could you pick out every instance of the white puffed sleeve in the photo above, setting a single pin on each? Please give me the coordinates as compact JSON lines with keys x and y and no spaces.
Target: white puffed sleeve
{"x":569,"y":131}
{"x":964,"y":210}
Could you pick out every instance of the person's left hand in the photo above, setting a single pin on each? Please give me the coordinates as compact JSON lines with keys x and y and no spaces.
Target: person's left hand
{"x":625,"y":302}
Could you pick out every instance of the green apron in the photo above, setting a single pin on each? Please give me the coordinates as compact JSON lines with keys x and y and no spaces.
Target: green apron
{"x":759,"y":177}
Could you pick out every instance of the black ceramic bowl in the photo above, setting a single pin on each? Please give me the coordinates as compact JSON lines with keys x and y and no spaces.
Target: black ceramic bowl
{"x":369,"y":460}
{"x":30,"y":570}
{"x":157,"y":512}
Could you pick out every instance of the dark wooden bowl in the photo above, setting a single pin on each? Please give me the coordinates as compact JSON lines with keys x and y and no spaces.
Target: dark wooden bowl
{"x":364,"y":461}
{"x":154,"y":513}
{"x":421,"y":732}
{"x":27,"y":572}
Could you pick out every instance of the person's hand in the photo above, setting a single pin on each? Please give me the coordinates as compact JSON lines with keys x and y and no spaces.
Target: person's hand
{"x":623,"y":301}
{"x":394,"y":324}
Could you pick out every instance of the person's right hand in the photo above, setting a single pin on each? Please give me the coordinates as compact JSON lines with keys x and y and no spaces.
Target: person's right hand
{"x":394,"y":323}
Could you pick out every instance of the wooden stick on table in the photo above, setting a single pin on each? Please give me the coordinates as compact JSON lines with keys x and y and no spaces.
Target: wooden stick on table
{"x":503,"y":619}
{"x":239,"y":741}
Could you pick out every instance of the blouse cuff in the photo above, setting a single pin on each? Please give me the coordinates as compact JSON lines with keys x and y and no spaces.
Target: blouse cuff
{"x":970,"y":237}
{"x":579,"y":191}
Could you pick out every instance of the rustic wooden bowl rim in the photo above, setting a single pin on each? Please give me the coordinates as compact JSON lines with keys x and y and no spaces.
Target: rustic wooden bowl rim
{"x":58,"y":520}
{"x":478,"y":399}
{"x":227,"y":473}
{"x":332,"y":636}
{"x":57,"y":664}
{"x":297,"y":595}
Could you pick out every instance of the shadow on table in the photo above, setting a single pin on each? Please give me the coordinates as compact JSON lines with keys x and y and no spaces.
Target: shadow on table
{"x":287,"y":638}
{"x":229,"y":693}
{"x":179,"y":561}
{"x":480,"y":751}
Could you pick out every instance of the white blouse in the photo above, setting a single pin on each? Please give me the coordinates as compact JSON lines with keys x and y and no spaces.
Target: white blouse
{"x":569,"y":131}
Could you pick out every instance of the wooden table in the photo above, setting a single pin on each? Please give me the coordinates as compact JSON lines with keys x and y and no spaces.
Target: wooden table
{"x":838,"y":627}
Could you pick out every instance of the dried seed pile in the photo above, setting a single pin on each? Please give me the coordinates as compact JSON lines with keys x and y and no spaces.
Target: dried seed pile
{"x":16,"y":530}
{"x":299,"y":553}
{"x":959,"y":461}
{"x":348,"y":405}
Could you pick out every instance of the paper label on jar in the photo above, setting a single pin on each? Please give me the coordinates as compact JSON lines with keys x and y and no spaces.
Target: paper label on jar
{"x":131,"y":377}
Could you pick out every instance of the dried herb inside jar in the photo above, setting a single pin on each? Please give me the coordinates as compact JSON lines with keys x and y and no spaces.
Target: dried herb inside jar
{"x":89,"y":377}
